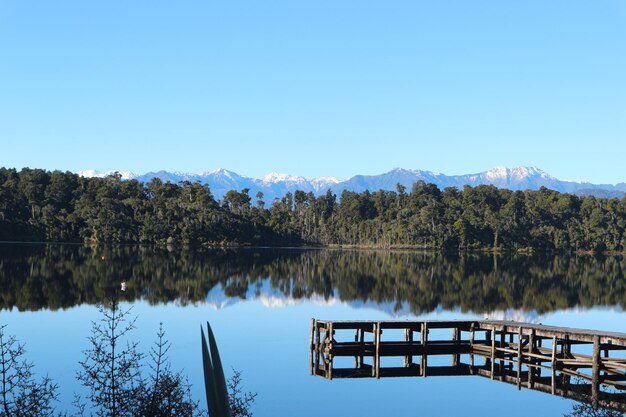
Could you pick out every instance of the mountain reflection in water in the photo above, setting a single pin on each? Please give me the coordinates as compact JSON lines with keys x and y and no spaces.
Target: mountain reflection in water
{"x":34,"y":277}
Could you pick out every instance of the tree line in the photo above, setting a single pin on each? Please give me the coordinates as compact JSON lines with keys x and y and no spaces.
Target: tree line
{"x":34,"y":277}
{"x":39,"y":205}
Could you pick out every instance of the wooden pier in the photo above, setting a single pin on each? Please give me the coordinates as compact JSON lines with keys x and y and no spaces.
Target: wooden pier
{"x":583,"y":365}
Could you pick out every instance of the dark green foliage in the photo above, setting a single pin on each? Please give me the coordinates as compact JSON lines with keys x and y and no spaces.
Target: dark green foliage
{"x":57,"y":206}
{"x":587,"y":410}
{"x":240,"y":402}
{"x":224,"y":398}
{"x":214,"y":380}
{"x":111,"y":368}
{"x":37,"y":205}
{"x":33,"y":277}
{"x":21,"y":395}
{"x":165,"y":393}
{"x":116,"y":384}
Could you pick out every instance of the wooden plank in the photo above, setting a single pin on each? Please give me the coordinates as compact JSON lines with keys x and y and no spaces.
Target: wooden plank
{"x":401,"y":324}
{"x":585,"y":335}
{"x":439,"y":347}
{"x":614,"y":340}
{"x":577,"y":393}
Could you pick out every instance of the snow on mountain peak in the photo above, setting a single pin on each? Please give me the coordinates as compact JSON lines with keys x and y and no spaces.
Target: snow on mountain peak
{"x":92,"y":173}
{"x":222,"y":172}
{"x":497,"y":173}
{"x":325,"y":180}
{"x":530,"y":172}
{"x":274,"y":177}
{"x":183,"y":174}
{"x":127,"y":175}
{"x":516,"y":173}
{"x":276,"y":185}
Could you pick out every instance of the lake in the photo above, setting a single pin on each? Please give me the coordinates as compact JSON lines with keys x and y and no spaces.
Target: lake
{"x":260,"y":303}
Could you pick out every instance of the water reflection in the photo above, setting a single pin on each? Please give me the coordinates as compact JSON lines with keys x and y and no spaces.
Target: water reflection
{"x":34,"y":277}
{"x":584,"y":365}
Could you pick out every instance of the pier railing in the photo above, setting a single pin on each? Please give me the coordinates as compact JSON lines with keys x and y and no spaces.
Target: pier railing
{"x":584,"y":365}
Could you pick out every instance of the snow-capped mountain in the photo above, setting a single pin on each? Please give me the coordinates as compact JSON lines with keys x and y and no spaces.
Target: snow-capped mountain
{"x":90,"y":173}
{"x":276,"y":185}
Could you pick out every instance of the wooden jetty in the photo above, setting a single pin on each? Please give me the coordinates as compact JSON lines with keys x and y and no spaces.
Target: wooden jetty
{"x":583,"y":365}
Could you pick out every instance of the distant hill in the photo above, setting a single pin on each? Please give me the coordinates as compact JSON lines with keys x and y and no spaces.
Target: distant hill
{"x":601,"y":193}
{"x":276,"y":185}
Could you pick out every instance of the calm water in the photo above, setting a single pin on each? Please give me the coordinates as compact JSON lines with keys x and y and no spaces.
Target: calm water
{"x":260,"y":303}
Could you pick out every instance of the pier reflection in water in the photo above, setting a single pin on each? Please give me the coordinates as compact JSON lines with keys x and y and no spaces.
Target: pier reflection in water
{"x":583,"y":365}
{"x":47,"y":289}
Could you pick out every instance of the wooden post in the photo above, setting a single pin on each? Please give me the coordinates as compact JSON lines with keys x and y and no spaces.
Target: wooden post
{"x":519,"y":357}
{"x":330,"y":336}
{"x":493,"y":350}
{"x":455,"y":337}
{"x":356,"y":340}
{"x":424,"y":361}
{"x":595,"y":371}
{"x":487,"y":343}
{"x":502,"y":345}
{"x":553,"y":365}
{"x":566,"y":350}
{"x":472,"y":348}
{"x":408,"y":337}
{"x":377,"y":338}
{"x":317,"y":345}
{"x":312,"y":346}
{"x":362,"y":341}
{"x":531,"y":361}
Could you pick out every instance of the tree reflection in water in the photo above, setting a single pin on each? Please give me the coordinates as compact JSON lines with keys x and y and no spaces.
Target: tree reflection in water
{"x":33,"y":277}
{"x":587,"y":410}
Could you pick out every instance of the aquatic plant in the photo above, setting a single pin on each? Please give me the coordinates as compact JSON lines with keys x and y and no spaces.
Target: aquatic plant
{"x":214,"y":380}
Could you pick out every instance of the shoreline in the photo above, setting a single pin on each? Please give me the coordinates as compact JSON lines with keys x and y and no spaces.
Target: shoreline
{"x":368,"y":247}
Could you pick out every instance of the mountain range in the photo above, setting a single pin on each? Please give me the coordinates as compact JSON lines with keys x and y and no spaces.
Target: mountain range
{"x":276,"y":185}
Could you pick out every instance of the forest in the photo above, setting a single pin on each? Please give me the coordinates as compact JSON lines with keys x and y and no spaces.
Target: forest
{"x":55,"y":206}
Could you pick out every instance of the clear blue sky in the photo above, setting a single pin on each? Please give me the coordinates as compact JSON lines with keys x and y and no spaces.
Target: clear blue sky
{"x":315,"y":88}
